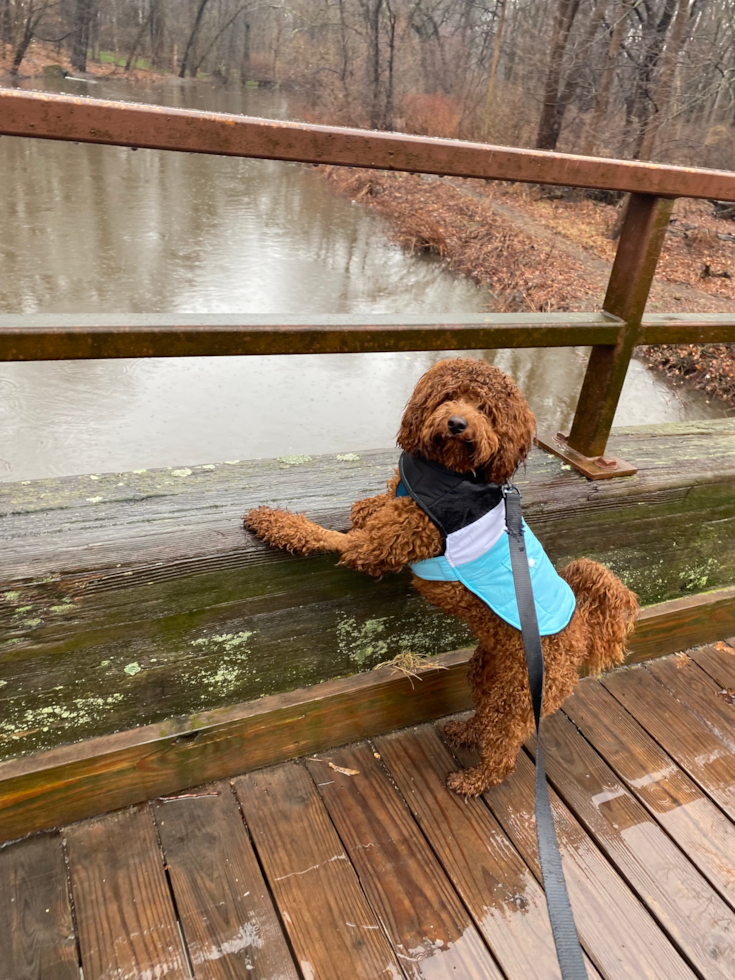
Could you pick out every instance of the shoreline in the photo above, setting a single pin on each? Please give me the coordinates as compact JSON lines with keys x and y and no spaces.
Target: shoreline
{"x":539,"y":255}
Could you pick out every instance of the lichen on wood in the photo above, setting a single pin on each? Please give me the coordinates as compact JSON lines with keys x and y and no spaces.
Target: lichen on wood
{"x":155,"y":603}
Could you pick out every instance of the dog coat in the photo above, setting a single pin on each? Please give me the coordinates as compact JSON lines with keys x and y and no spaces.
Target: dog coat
{"x":470,"y":516}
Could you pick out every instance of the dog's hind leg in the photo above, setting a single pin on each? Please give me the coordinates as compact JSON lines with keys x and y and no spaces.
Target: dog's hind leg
{"x":467,"y":731}
{"x":501,"y":735}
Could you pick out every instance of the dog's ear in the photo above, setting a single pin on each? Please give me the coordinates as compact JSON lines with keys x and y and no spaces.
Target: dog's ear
{"x":515,"y":428}
{"x":414,"y":416}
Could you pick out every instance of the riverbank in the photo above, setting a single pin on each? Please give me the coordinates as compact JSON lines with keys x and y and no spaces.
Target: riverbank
{"x":530,"y":251}
{"x":539,"y":254}
{"x":52,"y":60}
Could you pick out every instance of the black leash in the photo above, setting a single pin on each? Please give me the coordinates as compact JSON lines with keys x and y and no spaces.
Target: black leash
{"x":568,"y":949}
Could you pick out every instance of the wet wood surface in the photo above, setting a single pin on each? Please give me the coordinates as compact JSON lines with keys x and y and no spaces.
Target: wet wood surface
{"x":619,"y":934}
{"x":36,"y":930}
{"x":702,"y":696}
{"x":125,"y":916}
{"x":673,"y":890}
{"x":360,"y":863}
{"x":332,"y":928}
{"x":232,"y":930}
{"x":487,"y":871}
{"x":425,"y":921}
{"x":687,"y":739}
{"x":676,"y":803}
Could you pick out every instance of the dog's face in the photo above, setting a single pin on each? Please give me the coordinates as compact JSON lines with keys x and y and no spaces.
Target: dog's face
{"x":470,"y":417}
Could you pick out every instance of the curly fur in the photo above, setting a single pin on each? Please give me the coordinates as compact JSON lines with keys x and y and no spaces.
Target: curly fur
{"x":388,"y":532}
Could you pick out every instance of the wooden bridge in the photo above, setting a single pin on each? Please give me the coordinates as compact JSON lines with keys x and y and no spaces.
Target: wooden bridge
{"x":358,"y":862}
{"x":148,"y":646}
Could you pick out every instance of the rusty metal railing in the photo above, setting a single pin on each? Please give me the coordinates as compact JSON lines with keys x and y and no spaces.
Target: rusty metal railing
{"x":612,"y":333}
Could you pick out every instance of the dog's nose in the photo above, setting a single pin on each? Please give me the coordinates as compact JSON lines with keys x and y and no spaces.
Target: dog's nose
{"x":456,"y":424}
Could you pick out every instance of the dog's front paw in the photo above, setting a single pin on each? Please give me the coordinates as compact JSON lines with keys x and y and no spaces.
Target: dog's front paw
{"x":294,"y":532}
{"x":266,"y":523}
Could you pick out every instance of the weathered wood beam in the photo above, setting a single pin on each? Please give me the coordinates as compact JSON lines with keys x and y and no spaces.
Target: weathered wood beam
{"x":60,"y":117}
{"x":48,"y":337}
{"x":91,"y":777}
{"x":132,"y":598}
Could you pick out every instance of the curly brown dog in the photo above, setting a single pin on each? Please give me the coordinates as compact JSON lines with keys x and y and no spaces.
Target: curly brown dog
{"x":471,"y":419}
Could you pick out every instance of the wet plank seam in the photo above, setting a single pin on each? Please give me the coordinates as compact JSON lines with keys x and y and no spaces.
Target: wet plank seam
{"x":269,"y":889}
{"x":171,"y":892}
{"x":383,"y":767}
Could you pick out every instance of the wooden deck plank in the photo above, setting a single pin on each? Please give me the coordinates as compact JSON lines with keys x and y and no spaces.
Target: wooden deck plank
{"x":718,"y":661}
{"x":331,"y":926}
{"x":426,"y":923}
{"x":688,"y":908}
{"x":674,"y":801}
{"x":228,"y":920}
{"x":126,"y":920}
{"x":619,"y":934}
{"x":699,"y":694}
{"x":686,"y":738}
{"x":36,"y":929}
{"x":502,"y":895}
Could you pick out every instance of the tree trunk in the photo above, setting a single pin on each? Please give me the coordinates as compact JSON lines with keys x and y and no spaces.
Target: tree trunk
{"x":192,"y":37}
{"x":245,"y":63}
{"x":80,"y":43}
{"x":139,"y":37}
{"x":6,"y":22}
{"x":374,"y":61}
{"x":493,"y":72}
{"x":643,"y":98}
{"x":549,"y":126}
{"x":603,"y":93}
{"x":576,"y":72}
{"x":387,"y":121}
{"x":94,"y":33}
{"x":158,"y":34}
{"x":33,"y":19}
{"x":665,"y":83}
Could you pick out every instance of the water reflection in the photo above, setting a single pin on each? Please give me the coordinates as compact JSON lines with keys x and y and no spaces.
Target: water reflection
{"x":106,"y":229}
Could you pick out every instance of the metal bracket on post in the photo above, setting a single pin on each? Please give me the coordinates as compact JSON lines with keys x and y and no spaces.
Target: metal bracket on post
{"x":594,"y":468}
{"x":644,"y":228}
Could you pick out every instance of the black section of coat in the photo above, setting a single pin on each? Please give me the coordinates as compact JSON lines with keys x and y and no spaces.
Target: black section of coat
{"x":452,"y":500}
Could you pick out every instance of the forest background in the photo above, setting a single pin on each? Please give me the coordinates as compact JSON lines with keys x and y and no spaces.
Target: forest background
{"x":637,"y":79}
{"x":626,"y":78}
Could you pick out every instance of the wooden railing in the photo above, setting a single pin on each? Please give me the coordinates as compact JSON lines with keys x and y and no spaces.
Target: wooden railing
{"x":612,"y":333}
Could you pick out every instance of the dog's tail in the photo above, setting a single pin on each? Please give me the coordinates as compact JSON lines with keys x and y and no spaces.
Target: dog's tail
{"x":608,"y":608}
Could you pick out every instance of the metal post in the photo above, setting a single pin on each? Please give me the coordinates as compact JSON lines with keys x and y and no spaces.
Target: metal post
{"x":640,"y":244}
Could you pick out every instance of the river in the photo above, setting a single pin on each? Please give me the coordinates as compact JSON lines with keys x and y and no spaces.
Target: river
{"x":95,"y":229}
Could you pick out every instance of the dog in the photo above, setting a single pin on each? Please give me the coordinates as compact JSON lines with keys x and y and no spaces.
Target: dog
{"x":465,"y":431}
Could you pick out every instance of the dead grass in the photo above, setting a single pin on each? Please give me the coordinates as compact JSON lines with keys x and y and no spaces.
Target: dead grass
{"x":411,"y":665}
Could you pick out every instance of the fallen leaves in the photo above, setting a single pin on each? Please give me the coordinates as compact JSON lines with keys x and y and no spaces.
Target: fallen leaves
{"x":345,"y":772}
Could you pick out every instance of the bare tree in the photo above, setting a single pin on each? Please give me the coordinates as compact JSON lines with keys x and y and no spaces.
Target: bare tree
{"x":82,"y":21}
{"x":551,"y":114}
{"x":192,"y":37}
{"x":35,"y":11}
